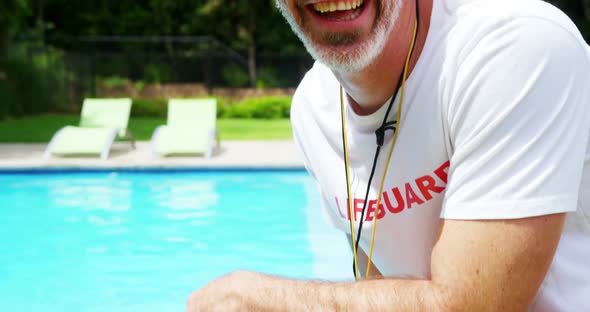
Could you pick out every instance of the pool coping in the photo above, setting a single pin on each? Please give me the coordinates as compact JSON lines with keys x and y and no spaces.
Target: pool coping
{"x":32,"y":170}
{"x":233,"y":155}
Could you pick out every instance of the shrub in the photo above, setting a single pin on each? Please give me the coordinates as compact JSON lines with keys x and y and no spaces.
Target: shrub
{"x":238,"y":111}
{"x":149,"y":107}
{"x":222,"y":106}
{"x":115,"y":81}
{"x":139,"y":85}
{"x":271,"y":107}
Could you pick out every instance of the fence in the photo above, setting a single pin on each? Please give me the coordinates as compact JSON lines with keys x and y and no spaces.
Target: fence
{"x":90,"y":66}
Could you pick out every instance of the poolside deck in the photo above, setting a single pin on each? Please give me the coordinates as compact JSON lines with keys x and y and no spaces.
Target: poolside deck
{"x":233,"y":154}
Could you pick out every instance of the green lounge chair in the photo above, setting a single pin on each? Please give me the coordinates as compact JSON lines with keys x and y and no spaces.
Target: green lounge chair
{"x":101,"y":122}
{"x":190,"y":129}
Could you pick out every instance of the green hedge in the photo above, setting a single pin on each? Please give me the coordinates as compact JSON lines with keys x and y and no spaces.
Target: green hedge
{"x":149,"y":108}
{"x":272,"y":107}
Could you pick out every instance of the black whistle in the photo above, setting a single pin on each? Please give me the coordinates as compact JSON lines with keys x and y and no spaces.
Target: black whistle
{"x":380,"y":132}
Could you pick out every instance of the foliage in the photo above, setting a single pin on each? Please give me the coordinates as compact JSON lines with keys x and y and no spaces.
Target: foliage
{"x":13,"y":15}
{"x":114,"y":82}
{"x":238,"y":23}
{"x":31,"y":86}
{"x":153,"y":73}
{"x":254,"y":129}
{"x":235,"y":76}
{"x":247,"y":26}
{"x":149,"y":108}
{"x":139,"y":85}
{"x":268,"y":78}
{"x":272,"y":107}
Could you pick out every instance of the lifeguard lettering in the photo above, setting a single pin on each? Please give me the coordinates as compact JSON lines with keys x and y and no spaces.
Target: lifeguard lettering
{"x":399,"y":201}
{"x":426,"y":184}
{"x":411,"y":197}
{"x":371,"y":210}
{"x":396,"y":201}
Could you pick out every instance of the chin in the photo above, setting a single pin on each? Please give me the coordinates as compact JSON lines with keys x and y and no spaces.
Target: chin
{"x":343,"y":45}
{"x":351,"y":57}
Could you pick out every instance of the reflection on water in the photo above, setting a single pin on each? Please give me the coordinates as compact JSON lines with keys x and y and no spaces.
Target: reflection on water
{"x":188,"y":195}
{"x":188,"y":200}
{"x":107,"y":194}
{"x":143,"y":241}
{"x":106,"y":201}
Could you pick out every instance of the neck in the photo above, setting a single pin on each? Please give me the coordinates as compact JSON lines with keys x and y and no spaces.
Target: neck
{"x":369,"y":88}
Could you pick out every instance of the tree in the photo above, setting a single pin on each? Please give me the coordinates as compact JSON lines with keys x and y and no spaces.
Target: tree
{"x":13,"y":16}
{"x":240,"y":18}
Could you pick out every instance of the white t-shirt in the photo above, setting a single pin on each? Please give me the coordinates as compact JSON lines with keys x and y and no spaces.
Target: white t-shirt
{"x":495,"y":124}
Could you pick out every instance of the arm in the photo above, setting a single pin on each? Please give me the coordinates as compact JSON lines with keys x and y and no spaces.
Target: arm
{"x":476,"y":266}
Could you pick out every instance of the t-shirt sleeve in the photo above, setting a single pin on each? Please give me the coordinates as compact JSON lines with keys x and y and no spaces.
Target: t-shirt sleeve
{"x":518,"y":123}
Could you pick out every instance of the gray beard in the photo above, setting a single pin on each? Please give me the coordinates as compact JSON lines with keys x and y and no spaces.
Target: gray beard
{"x":347,"y":52}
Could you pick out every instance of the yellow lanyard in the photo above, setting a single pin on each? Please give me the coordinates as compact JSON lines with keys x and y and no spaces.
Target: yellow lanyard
{"x":346,"y":163}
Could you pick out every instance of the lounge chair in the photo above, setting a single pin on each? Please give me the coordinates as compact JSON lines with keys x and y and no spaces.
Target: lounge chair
{"x":101,"y":122}
{"x":190,"y":129}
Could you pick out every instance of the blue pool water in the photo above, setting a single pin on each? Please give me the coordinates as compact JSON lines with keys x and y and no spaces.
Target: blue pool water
{"x":142,"y":241}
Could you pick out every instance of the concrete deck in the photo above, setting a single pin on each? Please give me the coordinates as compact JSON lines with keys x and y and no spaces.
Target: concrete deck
{"x":232,"y":154}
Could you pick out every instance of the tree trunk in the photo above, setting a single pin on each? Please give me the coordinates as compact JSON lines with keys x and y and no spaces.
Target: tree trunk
{"x":40,"y":20}
{"x":252,"y":65}
{"x":586,"y":6}
{"x":40,"y":11}
{"x":252,"y":48}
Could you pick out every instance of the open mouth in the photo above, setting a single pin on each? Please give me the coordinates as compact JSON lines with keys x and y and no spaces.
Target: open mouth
{"x":339,"y":10}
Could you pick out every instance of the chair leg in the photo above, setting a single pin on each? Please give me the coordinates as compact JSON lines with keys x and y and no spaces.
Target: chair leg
{"x":131,"y":138}
{"x":49,"y":147}
{"x":154,"y":141}
{"x":104,"y":155}
{"x":217,"y":141}
{"x":211,"y":144}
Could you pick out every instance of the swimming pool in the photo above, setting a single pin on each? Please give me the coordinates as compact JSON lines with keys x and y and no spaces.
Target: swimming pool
{"x":143,"y":240}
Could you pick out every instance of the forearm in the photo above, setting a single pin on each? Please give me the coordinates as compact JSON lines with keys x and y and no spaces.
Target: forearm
{"x":495,"y":265}
{"x":273,"y":294}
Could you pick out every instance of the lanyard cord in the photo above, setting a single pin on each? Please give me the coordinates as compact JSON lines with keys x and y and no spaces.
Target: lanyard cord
{"x":380,"y":132}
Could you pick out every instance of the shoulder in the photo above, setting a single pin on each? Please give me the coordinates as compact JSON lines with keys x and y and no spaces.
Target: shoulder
{"x":514,"y":42}
{"x":486,"y":10}
{"x":310,"y":108}
{"x":473,"y":19}
{"x":508,"y":64}
{"x":314,"y":83}
{"x":481,"y":36}
{"x":313,"y":95}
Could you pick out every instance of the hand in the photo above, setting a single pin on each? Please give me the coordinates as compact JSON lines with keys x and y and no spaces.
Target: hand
{"x":227,"y":293}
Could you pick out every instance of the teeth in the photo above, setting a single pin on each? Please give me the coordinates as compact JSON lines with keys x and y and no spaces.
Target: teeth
{"x":332,"y":6}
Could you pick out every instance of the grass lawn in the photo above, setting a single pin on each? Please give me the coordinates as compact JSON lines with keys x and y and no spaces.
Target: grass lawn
{"x":40,"y":129}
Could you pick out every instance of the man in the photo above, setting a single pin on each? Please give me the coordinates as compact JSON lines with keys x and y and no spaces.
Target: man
{"x":485,"y":203}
